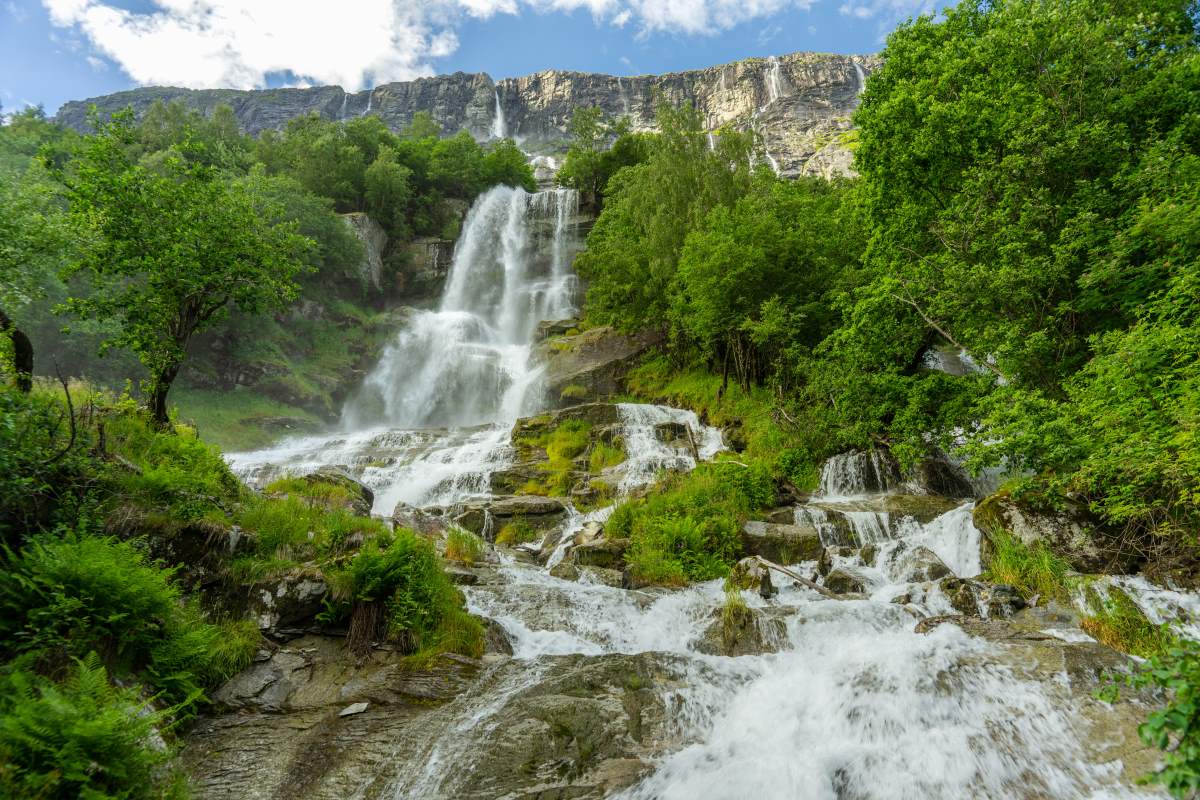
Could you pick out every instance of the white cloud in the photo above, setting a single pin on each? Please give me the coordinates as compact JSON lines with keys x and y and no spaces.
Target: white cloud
{"x":97,"y":64}
{"x":16,"y":12}
{"x":239,"y":43}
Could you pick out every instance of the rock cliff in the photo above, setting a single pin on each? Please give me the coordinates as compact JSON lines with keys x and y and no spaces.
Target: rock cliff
{"x":800,"y":104}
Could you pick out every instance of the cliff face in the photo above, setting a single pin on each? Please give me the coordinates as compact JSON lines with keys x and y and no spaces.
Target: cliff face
{"x":800,"y":104}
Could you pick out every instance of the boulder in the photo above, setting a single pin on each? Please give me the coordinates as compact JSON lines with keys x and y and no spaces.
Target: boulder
{"x":606,"y":553}
{"x":593,"y":362}
{"x":917,"y":565}
{"x":419,"y":521}
{"x":845,"y":581}
{"x":783,"y":544}
{"x":554,"y":327}
{"x":937,"y":476}
{"x":590,"y":532}
{"x":359,"y":499}
{"x":293,"y":599}
{"x":565,"y":570}
{"x":825,"y":562}
{"x":1071,"y":533}
{"x":742,"y":631}
{"x":749,"y":573}
{"x":487,"y":517}
{"x":601,"y":576}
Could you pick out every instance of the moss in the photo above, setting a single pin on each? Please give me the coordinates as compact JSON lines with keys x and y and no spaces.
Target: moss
{"x":1117,"y":622}
{"x":240,"y":419}
{"x":518,"y":531}
{"x":603,"y":456}
{"x":573,"y":392}
{"x":561,"y":446}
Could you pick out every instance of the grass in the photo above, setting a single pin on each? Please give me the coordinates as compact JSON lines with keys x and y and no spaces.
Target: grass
{"x":734,"y":616}
{"x":516,"y":532}
{"x":239,"y":419}
{"x":463,"y":547}
{"x":317,"y":494}
{"x":291,"y":530}
{"x":603,"y":456}
{"x":573,"y":392}
{"x":562,"y":445}
{"x":1117,"y":622}
{"x":1031,"y":570}
{"x":750,"y":419}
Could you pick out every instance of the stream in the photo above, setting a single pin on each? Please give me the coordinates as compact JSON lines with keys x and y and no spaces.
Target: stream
{"x":842,"y":698}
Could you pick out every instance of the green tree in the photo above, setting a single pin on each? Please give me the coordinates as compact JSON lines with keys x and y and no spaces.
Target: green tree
{"x":175,"y":249}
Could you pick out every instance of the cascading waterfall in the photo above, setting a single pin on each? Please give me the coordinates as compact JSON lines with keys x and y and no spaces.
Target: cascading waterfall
{"x":431,"y":420}
{"x":862,"y":78}
{"x":773,"y":80}
{"x":498,"y":126}
{"x":370,"y":97}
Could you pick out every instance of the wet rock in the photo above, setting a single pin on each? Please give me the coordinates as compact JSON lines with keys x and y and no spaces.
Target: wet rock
{"x":917,"y":565}
{"x":360,"y":498}
{"x":825,"y":562}
{"x":671,"y":432}
{"x":601,"y":576}
{"x":844,"y":581}
{"x":868,"y":554}
{"x":590,"y":532}
{"x":419,"y":521}
{"x":461,"y":575}
{"x":784,"y":515}
{"x":742,"y":631}
{"x":961,"y":595}
{"x":554,"y":327}
{"x":783,"y":544}
{"x":487,"y":517}
{"x":605,"y":553}
{"x":496,"y":639}
{"x":1072,"y":533}
{"x":749,"y":573}
{"x":565,"y":570}
{"x":937,"y":476}
{"x":289,"y":600}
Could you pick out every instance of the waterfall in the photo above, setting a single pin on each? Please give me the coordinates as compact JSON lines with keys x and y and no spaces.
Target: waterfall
{"x":498,"y":127}
{"x":773,"y":81}
{"x":370,"y":96}
{"x":862,"y":78}
{"x":345,"y":98}
{"x":467,"y":363}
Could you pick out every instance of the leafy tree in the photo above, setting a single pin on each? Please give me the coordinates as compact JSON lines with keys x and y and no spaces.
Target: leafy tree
{"x":634,"y":248}
{"x":591,"y":160}
{"x":389,"y":190}
{"x":175,"y":248}
{"x":504,"y":163}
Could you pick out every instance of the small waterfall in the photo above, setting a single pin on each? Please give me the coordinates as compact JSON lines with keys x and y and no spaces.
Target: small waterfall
{"x":773,"y":81}
{"x":624,"y":97}
{"x":370,"y":97}
{"x":712,"y":141}
{"x":862,"y":78}
{"x":771,"y":160}
{"x":646,"y":454}
{"x":345,"y":99}
{"x":499,"y":130}
{"x":858,"y":473}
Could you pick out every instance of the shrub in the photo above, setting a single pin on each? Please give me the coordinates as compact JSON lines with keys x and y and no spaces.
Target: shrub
{"x":1175,"y":728}
{"x":79,"y":738}
{"x":62,"y":598}
{"x":395,"y":589}
{"x":299,"y":528}
{"x":690,"y":529}
{"x":463,"y":546}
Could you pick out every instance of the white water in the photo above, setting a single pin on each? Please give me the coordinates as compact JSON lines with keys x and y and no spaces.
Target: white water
{"x":773,"y":80}
{"x":370,"y":97}
{"x":862,"y":78}
{"x":431,"y":421}
{"x":498,"y":127}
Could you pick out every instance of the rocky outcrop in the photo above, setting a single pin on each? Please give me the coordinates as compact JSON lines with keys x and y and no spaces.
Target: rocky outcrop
{"x":799,"y":104}
{"x":1070,"y":533}
{"x":590,"y":365}
{"x":487,"y":518}
{"x":427,"y":261}
{"x":369,"y":271}
{"x":737,"y":630}
{"x":343,"y":490}
{"x":783,"y":544}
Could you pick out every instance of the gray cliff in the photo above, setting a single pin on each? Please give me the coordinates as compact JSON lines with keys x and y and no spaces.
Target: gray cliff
{"x":799,"y":104}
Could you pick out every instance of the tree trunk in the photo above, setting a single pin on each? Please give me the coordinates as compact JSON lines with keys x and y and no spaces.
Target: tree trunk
{"x":22,"y":352}
{"x":156,"y":400}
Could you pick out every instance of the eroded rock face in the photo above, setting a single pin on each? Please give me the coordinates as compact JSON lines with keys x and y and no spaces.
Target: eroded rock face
{"x":369,"y":272}
{"x":590,"y":365}
{"x":1071,"y":533}
{"x":800,"y":104}
{"x":487,"y":517}
{"x":289,"y":600}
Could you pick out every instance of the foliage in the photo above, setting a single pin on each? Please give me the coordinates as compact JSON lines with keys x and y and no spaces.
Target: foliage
{"x":1175,"y":728}
{"x":634,"y":248}
{"x":80,"y":738}
{"x":62,"y":598}
{"x":423,"y":611}
{"x":1033,"y":570}
{"x":294,"y":528}
{"x":598,"y":150}
{"x":690,"y":529}
{"x":175,"y":247}
{"x":1118,"y":622}
{"x":463,"y":547}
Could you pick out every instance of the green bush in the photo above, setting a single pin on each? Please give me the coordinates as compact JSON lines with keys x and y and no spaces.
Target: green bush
{"x":463,"y":546}
{"x":691,"y":529}
{"x":62,"y":598}
{"x":395,"y":588}
{"x":299,"y":528}
{"x":81,"y":738}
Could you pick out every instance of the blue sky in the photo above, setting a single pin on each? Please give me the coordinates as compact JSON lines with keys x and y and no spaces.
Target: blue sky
{"x":57,"y":50}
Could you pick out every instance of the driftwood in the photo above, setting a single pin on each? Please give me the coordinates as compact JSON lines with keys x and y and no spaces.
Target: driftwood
{"x":816,"y":587}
